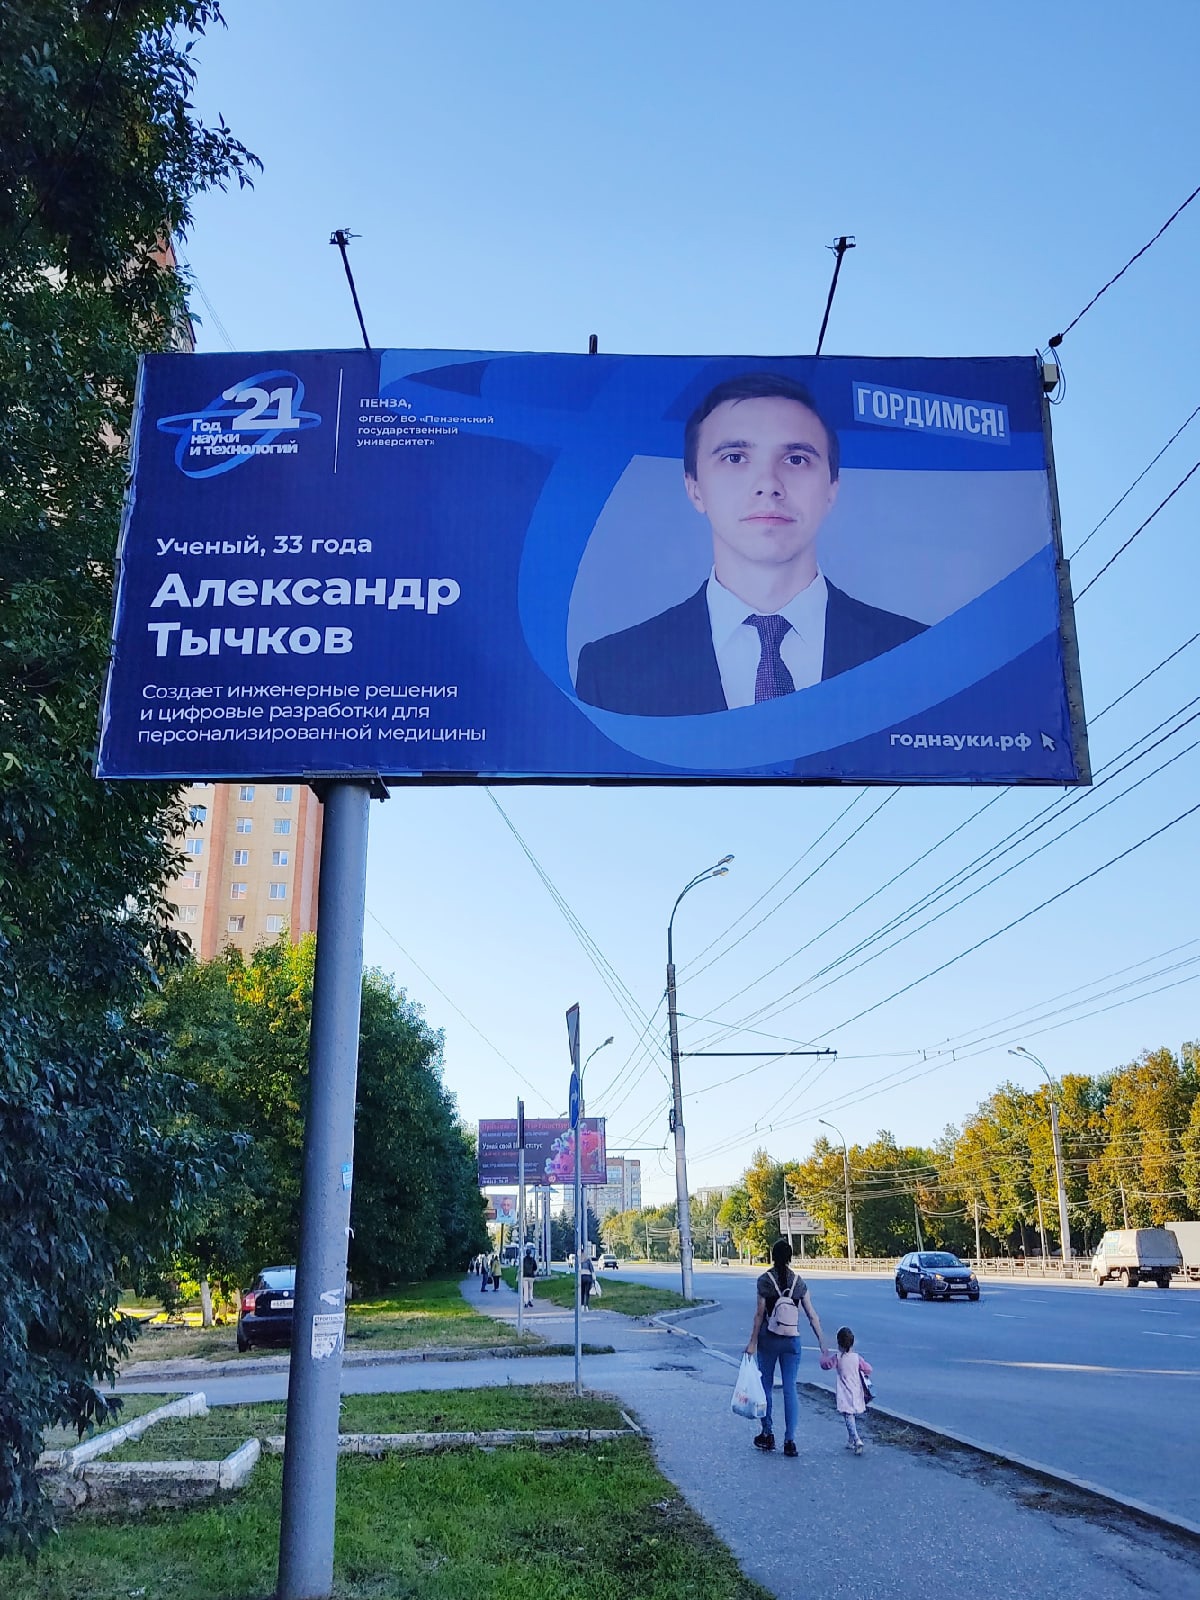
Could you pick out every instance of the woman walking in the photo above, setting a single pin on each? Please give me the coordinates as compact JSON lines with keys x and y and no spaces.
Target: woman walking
{"x":775,"y":1339}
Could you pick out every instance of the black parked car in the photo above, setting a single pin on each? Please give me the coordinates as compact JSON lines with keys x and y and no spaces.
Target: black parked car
{"x":265,"y":1316}
{"x":935,"y":1275}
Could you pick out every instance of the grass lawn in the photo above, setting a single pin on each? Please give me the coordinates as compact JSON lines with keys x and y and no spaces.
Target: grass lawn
{"x":595,"y":1522}
{"x":631,"y":1299}
{"x":414,"y":1315}
{"x":132,"y":1405}
{"x":423,"y":1411}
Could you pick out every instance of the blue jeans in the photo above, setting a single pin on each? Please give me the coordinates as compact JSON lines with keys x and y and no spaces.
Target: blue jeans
{"x":772,"y":1348}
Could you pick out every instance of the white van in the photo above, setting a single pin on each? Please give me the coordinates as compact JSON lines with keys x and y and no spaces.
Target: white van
{"x":1131,"y":1254}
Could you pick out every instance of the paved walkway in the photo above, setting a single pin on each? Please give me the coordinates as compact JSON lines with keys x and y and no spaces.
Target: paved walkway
{"x":898,"y":1523}
{"x":888,"y":1525}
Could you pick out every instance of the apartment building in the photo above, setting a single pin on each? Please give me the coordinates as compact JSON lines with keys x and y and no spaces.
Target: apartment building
{"x":622,"y":1192}
{"x":253,"y":858}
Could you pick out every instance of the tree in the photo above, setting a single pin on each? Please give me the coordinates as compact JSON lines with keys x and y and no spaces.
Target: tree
{"x":102,"y":155}
{"x":240,"y":1029}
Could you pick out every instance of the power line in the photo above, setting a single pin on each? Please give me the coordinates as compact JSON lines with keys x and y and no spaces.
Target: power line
{"x":492,"y":1047}
{"x":961,"y":876}
{"x":1059,"y":337}
{"x":1134,"y":484}
{"x":1092,"y":580}
{"x":607,"y":973}
{"x":845,"y":811}
{"x":1024,"y":917}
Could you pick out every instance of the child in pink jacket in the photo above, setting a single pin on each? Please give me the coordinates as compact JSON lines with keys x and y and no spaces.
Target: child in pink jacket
{"x":851,"y":1391}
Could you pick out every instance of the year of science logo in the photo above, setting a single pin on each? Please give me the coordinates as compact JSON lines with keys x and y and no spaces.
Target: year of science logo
{"x":259,"y":416}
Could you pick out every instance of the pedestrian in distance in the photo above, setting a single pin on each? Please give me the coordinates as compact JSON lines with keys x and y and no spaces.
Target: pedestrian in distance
{"x":496,"y":1273}
{"x":528,"y":1274}
{"x":775,"y":1341}
{"x":587,"y":1280}
{"x":853,"y":1392}
{"x":485,"y":1273}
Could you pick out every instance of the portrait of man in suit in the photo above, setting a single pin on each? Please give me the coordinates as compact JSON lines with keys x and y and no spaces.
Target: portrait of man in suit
{"x":761,"y":465}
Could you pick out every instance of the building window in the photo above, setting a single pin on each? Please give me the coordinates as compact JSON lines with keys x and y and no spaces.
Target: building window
{"x":190,"y":880}
{"x":277,"y":891}
{"x":241,"y":858}
{"x":283,"y":824}
{"x":243,"y":825}
{"x":188,"y":913}
{"x":279,"y":858}
{"x":283,"y":794}
{"x":274,"y":924}
{"x":197,"y":813}
{"x":194,"y":847}
{"x":235,"y":924}
{"x":237,"y":891}
{"x":246,"y":792}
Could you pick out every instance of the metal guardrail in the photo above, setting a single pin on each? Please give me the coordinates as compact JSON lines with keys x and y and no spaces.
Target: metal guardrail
{"x":989,"y":1266}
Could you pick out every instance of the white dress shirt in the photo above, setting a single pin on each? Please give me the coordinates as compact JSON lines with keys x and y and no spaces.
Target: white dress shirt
{"x":738,"y":648}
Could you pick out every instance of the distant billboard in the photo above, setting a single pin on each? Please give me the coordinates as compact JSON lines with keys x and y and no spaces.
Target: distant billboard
{"x":464,"y":565}
{"x":549,"y":1151}
{"x":502,"y":1208}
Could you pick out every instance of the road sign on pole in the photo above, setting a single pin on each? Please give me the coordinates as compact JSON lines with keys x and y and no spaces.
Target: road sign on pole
{"x":573,"y":1102}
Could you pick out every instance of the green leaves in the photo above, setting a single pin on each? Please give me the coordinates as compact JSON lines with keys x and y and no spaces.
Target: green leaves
{"x":98,"y":1163}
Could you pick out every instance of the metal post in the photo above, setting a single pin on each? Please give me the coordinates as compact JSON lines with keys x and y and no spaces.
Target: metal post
{"x":1124,"y":1208}
{"x":1064,"y":1222}
{"x":520,"y":1217}
{"x":319,"y":1320}
{"x":977,"y":1256}
{"x":1060,"y":1182}
{"x":578,"y":1263}
{"x":846,"y":1179}
{"x":1042,"y":1231}
{"x":682,"y":1207}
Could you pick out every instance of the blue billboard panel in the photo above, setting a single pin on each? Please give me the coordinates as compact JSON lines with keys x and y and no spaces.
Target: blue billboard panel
{"x":456,"y":565}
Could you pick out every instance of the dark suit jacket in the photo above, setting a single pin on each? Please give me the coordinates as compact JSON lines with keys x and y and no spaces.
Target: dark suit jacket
{"x":666,"y":666}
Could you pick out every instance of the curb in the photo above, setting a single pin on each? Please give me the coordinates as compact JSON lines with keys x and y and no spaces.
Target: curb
{"x":163,"y":1372}
{"x":1160,"y":1519}
{"x":658,"y":1319}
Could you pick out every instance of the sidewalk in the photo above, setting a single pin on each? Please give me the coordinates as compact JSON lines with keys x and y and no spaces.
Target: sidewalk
{"x":900,"y":1522}
{"x":889,"y":1525}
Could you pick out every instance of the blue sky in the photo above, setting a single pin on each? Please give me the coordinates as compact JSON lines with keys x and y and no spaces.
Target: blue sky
{"x":668,"y":177}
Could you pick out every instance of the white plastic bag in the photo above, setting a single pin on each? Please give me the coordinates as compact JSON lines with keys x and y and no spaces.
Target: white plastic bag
{"x":749,"y":1396}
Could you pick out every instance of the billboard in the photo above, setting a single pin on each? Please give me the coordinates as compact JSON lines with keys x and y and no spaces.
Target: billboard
{"x":549,"y":1151}
{"x":502,"y":1208}
{"x":472,"y":566}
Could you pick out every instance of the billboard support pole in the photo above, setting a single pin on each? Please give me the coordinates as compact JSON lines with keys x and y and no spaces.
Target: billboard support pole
{"x":520,"y":1216}
{"x":319,"y":1324}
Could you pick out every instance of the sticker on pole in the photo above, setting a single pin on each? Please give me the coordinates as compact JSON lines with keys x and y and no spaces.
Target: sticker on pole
{"x":327,"y":1331}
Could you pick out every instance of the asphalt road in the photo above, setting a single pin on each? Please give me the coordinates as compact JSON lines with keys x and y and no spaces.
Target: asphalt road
{"x":1100,"y":1383}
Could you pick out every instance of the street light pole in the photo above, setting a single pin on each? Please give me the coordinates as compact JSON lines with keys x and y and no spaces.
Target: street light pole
{"x":580,"y":1230}
{"x":1064,"y":1225}
{"x":681,"y":1185}
{"x":846,"y":1177}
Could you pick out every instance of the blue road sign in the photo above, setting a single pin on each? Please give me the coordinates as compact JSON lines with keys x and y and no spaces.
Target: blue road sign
{"x":574,"y":1101}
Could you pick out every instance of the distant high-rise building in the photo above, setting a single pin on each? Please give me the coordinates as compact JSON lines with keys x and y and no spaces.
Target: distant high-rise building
{"x":622,"y":1192}
{"x":253,"y":858}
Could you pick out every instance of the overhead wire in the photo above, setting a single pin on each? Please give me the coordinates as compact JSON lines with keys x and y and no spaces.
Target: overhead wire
{"x":495,"y":1049}
{"x":1117,"y":276}
{"x":994,"y":853}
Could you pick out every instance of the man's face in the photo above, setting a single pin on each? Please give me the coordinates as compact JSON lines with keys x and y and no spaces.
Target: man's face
{"x":762,"y":478}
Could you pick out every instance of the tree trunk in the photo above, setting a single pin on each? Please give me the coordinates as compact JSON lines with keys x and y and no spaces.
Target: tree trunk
{"x":206,"y":1316}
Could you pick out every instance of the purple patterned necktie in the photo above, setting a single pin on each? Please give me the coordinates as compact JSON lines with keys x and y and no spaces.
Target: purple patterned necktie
{"x":772,"y":678}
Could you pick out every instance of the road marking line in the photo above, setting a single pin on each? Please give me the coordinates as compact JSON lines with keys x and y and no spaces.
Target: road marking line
{"x":1007,"y":1315}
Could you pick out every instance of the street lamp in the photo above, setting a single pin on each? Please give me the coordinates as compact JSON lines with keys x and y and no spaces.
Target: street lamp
{"x":1064,"y":1226}
{"x":846,"y":1177}
{"x":681,"y":1185}
{"x":578,"y":1163}
{"x":579,"y":1219}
